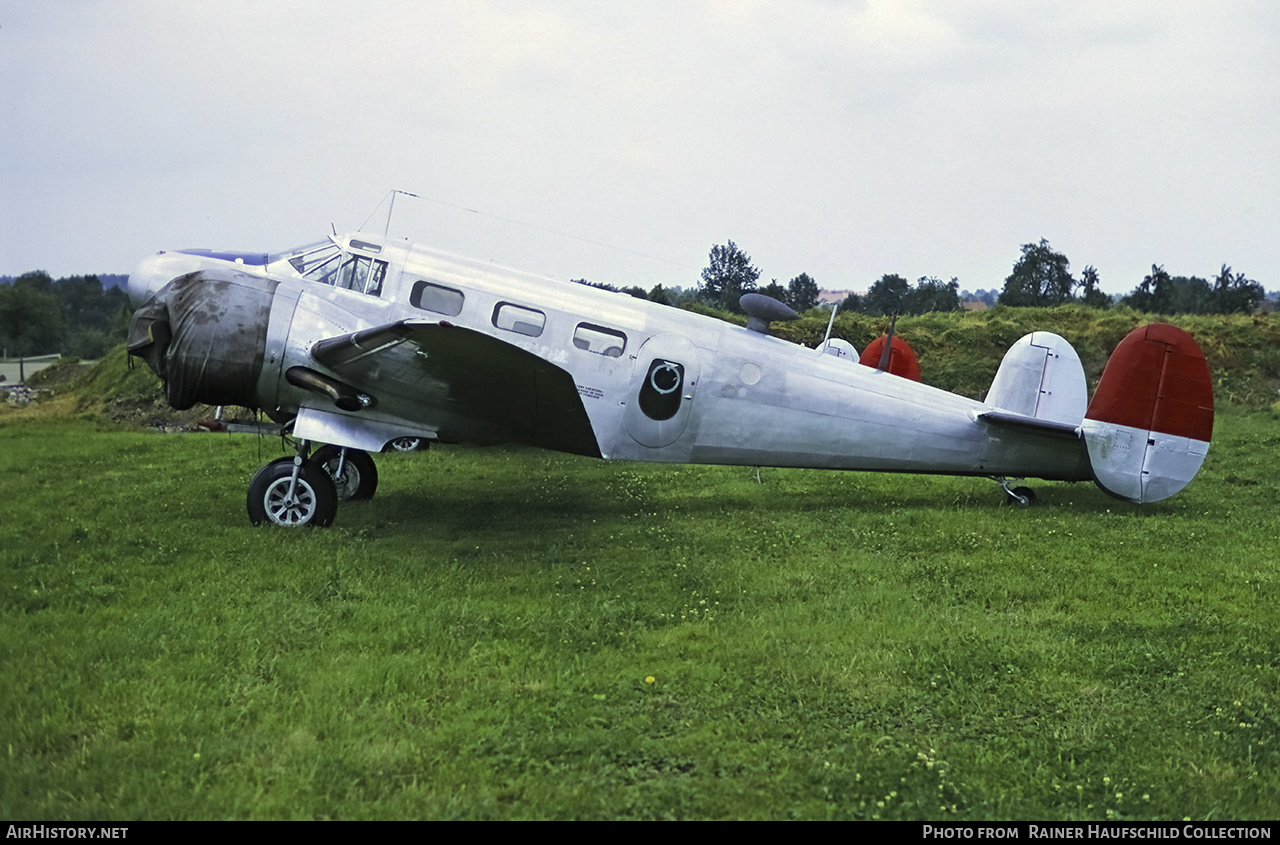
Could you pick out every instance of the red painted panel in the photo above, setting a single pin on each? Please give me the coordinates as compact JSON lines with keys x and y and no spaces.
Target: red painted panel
{"x":1157,"y":379}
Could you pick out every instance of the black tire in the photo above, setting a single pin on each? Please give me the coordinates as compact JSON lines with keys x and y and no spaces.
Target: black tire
{"x":314,"y":503}
{"x":359,"y":477}
{"x":1021,"y":497}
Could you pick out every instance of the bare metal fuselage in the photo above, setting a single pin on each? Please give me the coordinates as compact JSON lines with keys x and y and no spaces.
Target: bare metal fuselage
{"x":728,"y":395}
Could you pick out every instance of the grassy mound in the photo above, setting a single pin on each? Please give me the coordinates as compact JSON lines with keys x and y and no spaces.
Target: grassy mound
{"x":961,"y":351}
{"x":114,"y":388}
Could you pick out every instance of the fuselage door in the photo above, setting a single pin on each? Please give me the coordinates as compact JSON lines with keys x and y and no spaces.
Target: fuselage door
{"x":664,"y":377}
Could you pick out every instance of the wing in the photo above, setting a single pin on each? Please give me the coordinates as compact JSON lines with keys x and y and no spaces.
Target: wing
{"x":464,"y":385}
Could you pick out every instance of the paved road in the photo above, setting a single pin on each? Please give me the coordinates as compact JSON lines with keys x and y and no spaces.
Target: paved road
{"x":9,"y":367}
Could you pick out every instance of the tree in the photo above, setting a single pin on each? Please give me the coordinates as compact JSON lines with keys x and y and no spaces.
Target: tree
{"x":1041,"y":277}
{"x":1154,"y":294}
{"x":660,"y":294}
{"x":1190,"y":296}
{"x":90,"y":315}
{"x":1235,"y":294}
{"x":30,"y":315}
{"x":886,"y":296}
{"x":1092,"y":296}
{"x":728,"y":276}
{"x":802,"y":293}
{"x":775,"y":290}
{"x":932,"y":294}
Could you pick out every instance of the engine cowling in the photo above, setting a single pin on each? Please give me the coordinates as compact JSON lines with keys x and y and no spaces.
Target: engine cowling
{"x":205,"y":334}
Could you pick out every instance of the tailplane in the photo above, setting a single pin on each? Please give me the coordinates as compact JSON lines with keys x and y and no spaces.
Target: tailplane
{"x":1149,"y":424}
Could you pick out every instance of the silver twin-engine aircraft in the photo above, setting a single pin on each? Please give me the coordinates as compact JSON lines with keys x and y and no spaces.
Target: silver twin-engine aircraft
{"x":358,"y":342}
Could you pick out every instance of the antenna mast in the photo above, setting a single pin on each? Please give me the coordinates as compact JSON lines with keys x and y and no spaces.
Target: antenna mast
{"x":392,"y":207}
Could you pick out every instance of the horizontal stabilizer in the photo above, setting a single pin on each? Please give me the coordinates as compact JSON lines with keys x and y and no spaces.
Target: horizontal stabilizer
{"x":1008,"y":418}
{"x":1150,"y":422}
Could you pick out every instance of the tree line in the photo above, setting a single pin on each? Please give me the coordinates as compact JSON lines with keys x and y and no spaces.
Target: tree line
{"x":78,"y":315}
{"x":1041,"y":277}
{"x":74,"y":315}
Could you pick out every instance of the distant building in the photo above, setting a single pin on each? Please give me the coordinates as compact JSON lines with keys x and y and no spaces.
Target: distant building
{"x":825,"y":296}
{"x":973,"y":305}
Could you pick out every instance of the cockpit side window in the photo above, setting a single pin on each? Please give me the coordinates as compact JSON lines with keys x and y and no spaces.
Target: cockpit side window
{"x":325,"y":262}
{"x":358,"y":273}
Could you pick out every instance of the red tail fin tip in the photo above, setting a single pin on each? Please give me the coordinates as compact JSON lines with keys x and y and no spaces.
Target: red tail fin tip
{"x":902,"y":358}
{"x":1151,"y":419}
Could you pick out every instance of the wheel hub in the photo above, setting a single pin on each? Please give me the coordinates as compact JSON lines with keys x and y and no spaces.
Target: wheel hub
{"x":289,"y":510}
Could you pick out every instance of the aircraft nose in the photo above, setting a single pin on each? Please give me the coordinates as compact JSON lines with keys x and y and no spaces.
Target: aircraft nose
{"x":148,"y":277}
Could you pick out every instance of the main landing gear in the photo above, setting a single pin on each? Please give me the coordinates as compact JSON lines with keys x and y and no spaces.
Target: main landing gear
{"x":300,"y":491}
{"x":353,"y":471}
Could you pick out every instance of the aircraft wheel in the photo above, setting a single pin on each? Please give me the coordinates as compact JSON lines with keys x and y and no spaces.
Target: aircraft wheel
{"x":405,"y":444}
{"x":358,"y":478}
{"x":1021,"y":497}
{"x":314,"y":500}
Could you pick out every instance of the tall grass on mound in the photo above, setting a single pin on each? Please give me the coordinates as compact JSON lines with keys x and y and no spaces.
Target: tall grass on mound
{"x":508,"y":633}
{"x":958,"y":351}
{"x":961,"y":351}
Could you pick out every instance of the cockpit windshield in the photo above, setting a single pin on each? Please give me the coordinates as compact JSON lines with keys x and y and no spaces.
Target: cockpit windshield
{"x":312,"y":261}
{"x":324,"y":262}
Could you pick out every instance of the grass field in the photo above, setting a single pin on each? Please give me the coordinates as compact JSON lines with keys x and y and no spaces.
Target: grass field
{"x":508,"y":633}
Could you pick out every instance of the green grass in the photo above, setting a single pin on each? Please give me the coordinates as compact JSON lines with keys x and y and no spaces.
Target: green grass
{"x":476,"y":641}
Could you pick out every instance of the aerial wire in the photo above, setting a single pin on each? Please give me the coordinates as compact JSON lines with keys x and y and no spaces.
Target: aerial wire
{"x":391,"y":194}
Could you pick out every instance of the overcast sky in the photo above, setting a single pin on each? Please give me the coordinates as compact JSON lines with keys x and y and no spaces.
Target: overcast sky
{"x":619,"y":141}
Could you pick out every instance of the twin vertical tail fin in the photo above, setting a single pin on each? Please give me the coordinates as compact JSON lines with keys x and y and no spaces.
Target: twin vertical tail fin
{"x":1148,"y":427}
{"x":892,"y":355}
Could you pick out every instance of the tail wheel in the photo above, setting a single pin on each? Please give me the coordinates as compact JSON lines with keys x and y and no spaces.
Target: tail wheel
{"x":1020,"y":497}
{"x":278,"y":498}
{"x":354,"y":474}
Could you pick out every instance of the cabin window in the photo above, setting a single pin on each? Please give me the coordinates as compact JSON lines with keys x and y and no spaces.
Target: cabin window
{"x":518,"y":319}
{"x":432,"y":297}
{"x":599,"y":340}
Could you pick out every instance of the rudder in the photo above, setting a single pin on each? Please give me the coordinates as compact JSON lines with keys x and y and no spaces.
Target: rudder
{"x":1148,"y":427}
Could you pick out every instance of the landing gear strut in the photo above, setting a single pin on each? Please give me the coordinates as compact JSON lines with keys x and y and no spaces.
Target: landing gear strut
{"x":1018,"y":497}
{"x":353,"y":472}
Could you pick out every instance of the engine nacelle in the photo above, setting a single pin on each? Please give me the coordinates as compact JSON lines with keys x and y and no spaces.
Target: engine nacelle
{"x":205,"y":334}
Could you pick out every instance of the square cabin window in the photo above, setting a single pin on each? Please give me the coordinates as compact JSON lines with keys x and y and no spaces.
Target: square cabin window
{"x":600,"y":340}
{"x":432,"y":297}
{"x":518,"y":319}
